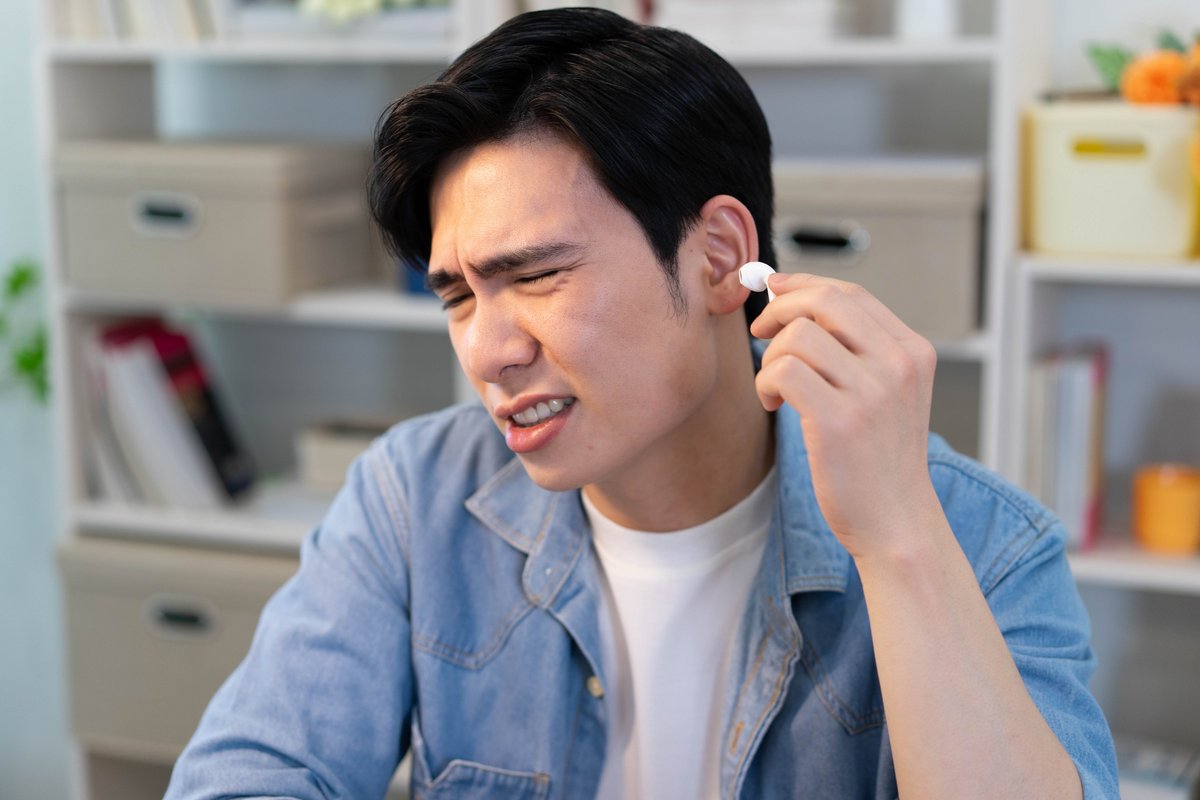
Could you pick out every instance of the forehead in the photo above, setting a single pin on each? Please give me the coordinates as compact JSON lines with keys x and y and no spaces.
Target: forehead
{"x":512,"y":192}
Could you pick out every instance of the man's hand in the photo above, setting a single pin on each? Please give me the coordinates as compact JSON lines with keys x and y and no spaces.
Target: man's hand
{"x":862,"y":382}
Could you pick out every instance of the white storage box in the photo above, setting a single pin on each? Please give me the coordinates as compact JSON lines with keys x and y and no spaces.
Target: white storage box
{"x":1112,"y":179}
{"x":213,"y":224}
{"x":325,"y":452}
{"x":906,"y":229}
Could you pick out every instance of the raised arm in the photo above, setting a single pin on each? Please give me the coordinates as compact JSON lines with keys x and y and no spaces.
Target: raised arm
{"x":961,"y":718}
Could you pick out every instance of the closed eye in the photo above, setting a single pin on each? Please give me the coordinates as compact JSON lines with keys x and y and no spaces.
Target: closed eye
{"x":538,"y":277}
{"x":451,"y":302}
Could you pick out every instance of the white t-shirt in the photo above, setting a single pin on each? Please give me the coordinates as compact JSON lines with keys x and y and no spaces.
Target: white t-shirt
{"x":670,"y":609}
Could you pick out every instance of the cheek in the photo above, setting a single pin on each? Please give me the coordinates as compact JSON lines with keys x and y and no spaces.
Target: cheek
{"x":630,"y":348}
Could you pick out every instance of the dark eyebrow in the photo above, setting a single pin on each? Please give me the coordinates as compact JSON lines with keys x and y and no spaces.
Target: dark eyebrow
{"x":439,"y":279}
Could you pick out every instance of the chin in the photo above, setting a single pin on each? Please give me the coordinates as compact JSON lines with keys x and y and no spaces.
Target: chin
{"x":554,"y":478}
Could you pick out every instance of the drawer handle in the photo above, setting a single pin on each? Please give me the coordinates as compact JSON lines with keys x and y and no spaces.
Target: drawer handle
{"x":180,"y":616}
{"x":845,"y":242}
{"x":165,"y":215}
{"x":182,"y":619}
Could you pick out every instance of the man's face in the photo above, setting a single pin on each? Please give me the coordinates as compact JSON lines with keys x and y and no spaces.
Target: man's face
{"x":561,"y":317}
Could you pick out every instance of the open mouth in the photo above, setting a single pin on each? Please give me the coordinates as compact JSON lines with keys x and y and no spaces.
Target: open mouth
{"x":541,"y":412}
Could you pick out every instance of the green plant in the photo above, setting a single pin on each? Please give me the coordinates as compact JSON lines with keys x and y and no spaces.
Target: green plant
{"x":22,"y":342}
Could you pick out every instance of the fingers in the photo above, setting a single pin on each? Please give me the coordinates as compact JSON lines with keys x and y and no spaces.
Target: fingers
{"x":852,"y":314}
{"x":830,"y":336}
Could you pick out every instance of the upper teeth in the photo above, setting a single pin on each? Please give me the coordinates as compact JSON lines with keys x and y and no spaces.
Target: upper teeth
{"x":541,"y":411}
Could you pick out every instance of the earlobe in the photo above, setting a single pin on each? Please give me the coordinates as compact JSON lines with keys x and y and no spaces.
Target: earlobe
{"x":730,"y":240}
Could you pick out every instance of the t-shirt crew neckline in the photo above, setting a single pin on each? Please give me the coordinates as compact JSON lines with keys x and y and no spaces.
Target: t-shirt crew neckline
{"x":695,"y":549}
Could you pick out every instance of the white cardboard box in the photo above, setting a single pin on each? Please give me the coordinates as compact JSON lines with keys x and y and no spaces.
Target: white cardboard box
{"x":906,"y":229}
{"x":214,"y":224}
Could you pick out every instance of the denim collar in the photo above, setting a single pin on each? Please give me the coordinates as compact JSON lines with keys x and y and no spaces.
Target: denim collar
{"x":552,"y":530}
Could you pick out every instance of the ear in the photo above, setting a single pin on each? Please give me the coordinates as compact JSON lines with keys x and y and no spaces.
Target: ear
{"x":730,"y":240}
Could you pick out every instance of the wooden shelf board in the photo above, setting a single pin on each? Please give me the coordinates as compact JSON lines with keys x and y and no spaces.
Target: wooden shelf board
{"x":977,"y":347}
{"x":277,"y":518}
{"x":299,"y":50}
{"x":367,"y":306}
{"x":1148,"y":272}
{"x":370,"y":306}
{"x":1121,"y":563}
{"x":849,"y":50}
{"x":864,"y":51}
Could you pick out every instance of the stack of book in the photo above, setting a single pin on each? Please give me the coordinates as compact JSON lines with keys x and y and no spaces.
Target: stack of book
{"x":157,"y":20}
{"x":1065,"y":450}
{"x":156,"y":434}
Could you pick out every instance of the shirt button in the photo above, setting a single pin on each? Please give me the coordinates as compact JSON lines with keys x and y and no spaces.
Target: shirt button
{"x":594,"y":688}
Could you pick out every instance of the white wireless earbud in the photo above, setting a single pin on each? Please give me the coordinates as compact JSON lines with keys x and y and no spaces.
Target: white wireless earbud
{"x":753,"y":275}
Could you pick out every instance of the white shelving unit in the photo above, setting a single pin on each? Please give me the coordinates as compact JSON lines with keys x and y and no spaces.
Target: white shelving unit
{"x":348,"y":336}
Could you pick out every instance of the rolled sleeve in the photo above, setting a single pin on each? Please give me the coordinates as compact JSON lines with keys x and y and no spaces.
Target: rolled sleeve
{"x":1044,"y":622}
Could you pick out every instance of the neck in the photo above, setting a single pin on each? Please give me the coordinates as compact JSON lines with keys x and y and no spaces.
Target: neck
{"x":711,"y":463}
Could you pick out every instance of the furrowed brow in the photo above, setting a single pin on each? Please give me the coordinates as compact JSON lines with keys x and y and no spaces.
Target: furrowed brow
{"x":526,"y":256}
{"x":441,"y":279}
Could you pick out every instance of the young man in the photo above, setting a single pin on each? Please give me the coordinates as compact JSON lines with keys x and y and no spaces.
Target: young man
{"x":656,"y":560}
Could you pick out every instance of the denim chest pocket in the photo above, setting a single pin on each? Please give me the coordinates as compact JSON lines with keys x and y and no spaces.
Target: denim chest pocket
{"x":468,"y":780}
{"x":463,"y":779}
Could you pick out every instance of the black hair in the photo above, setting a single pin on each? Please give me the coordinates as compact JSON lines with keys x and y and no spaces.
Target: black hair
{"x":664,"y":122}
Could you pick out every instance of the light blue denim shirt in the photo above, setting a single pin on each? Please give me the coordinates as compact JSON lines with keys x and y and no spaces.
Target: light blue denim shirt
{"x":449,"y":605}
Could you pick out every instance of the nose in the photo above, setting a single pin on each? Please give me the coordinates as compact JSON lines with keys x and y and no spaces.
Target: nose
{"x":496,"y":342}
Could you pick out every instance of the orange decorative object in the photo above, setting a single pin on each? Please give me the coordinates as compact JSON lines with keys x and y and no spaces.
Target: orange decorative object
{"x":1166,"y":508}
{"x":1189,"y":81}
{"x":1154,"y":77}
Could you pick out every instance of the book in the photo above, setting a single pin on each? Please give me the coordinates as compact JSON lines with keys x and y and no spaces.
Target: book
{"x":193,"y":393}
{"x":178,"y":20}
{"x":1065,"y":450}
{"x":110,"y":472}
{"x":163,"y":449}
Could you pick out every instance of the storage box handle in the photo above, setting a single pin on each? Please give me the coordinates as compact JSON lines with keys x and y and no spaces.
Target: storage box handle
{"x":844,"y":242}
{"x":179,"y":616}
{"x":1109,"y":147}
{"x":165,"y":215}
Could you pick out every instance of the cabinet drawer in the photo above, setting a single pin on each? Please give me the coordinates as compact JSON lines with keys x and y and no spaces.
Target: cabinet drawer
{"x":152,"y":632}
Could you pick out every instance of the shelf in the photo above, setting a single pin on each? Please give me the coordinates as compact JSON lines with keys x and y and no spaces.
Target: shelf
{"x":369,"y":306}
{"x":849,"y":51}
{"x":1148,"y":272}
{"x":864,"y":51}
{"x":363,"y":306}
{"x":277,"y":518}
{"x":1123,"y":564}
{"x":299,"y":50}
{"x":971,"y":348}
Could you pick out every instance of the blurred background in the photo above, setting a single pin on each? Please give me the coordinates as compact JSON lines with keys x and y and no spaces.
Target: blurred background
{"x":198,"y":330}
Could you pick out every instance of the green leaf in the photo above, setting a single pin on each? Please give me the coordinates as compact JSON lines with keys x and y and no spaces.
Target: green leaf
{"x":1169,"y":41}
{"x":29,"y":364}
{"x":1110,"y":61}
{"x":21,"y":279}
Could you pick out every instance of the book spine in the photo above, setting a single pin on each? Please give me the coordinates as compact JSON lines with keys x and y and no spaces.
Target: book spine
{"x":194,"y":392}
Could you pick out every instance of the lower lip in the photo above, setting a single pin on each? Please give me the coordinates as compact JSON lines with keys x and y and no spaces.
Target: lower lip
{"x":535,"y":437}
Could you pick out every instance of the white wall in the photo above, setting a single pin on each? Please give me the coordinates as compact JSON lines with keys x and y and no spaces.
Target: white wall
{"x":34,"y":748}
